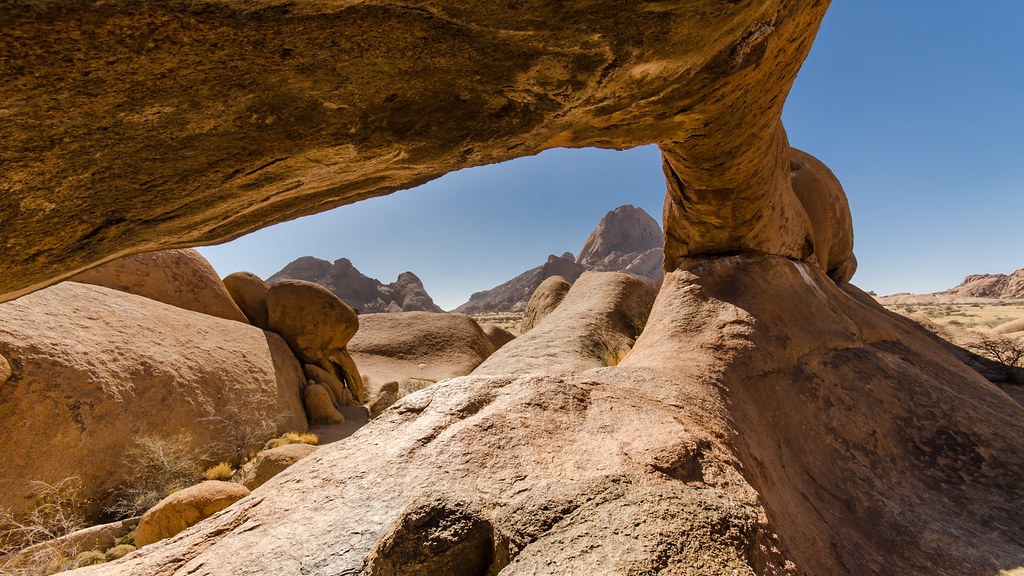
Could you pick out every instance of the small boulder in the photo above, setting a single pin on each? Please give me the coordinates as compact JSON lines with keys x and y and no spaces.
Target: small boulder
{"x":186,"y":508}
{"x":249,"y":292}
{"x":387,"y":396}
{"x":181,"y":278}
{"x":1011,"y":327}
{"x":270,"y":463}
{"x":545,"y":299}
{"x":497,"y":335}
{"x":320,"y":407}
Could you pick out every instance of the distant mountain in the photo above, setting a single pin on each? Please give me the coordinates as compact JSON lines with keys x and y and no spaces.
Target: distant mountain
{"x":990,"y":286}
{"x":514,"y":294}
{"x":365,"y":294}
{"x":627,"y":239}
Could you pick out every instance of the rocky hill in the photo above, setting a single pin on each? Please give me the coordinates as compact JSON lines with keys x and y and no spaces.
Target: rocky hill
{"x":990,"y":286}
{"x":365,"y":294}
{"x":626,"y":239}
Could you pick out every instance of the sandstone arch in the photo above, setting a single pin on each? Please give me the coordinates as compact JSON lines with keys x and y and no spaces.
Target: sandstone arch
{"x":129,"y":127}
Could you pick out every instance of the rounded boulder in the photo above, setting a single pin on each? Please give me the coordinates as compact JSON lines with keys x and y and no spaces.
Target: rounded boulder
{"x":186,"y":508}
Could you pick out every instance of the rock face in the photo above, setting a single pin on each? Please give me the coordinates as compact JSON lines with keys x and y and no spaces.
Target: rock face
{"x":990,"y":286}
{"x":824,"y":201}
{"x":250,"y":294}
{"x":317,"y":326}
{"x":545,"y":299}
{"x":417,"y":346}
{"x":181,"y":278}
{"x":367,"y":295}
{"x":270,"y":463}
{"x":594,"y":326}
{"x":265,"y":132}
{"x":627,"y":239}
{"x":725,"y":443}
{"x":94,"y":368}
{"x":186,"y":508}
{"x":514,"y":295}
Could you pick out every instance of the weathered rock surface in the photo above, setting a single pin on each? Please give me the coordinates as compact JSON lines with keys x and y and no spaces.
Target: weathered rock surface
{"x":420,"y":347}
{"x":250,"y":295}
{"x":496,"y":334}
{"x":317,"y":326}
{"x":712,"y":449}
{"x":266,"y":132}
{"x":186,"y":508}
{"x":94,"y":368}
{"x":514,"y":295}
{"x":990,"y":286}
{"x":627,"y":239}
{"x":545,"y":299}
{"x":824,"y":201}
{"x":181,"y":278}
{"x":594,"y":326}
{"x":365,"y":294}
{"x":270,"y":463}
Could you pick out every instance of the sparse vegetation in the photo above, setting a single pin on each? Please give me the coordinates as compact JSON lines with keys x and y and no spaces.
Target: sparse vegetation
{"x":58,"y":510}
{"x":1007,"y":352}
{"x":158,"y":467}
{"x":119,"y":551}
{"x":292,"y":438}
{"x":222,"y":471}
{"x":242,"y":431}
{"x":90,"y":558}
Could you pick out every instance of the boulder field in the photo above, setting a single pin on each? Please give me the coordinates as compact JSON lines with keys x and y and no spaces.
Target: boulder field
{"x":92,"y":368}
{"x":767,"y":421}
{"x":770,"y":419}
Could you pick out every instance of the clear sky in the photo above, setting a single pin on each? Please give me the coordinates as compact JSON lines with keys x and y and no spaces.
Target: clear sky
{"x":915,"y":105}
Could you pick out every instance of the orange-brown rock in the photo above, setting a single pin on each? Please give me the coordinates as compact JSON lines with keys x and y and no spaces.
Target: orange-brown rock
{"x":94,"y":368}
{"x":270,"y":463}
{"x":595,"y":325}
{"x":320,"y":406}
{"x":417,"y":346}
{"x":317,"y":326}
{"x":266,"y":132}
{"x":824,"y":201}
{"x":767,"y":421}
{"x":496,"y":334}
{"x":545,"y":299}
{"x":249,"y":292}
{"x":181,"y":278}
{"x":186,"y":508}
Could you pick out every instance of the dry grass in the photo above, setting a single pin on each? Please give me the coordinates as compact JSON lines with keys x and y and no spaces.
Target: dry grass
{"x":292,"y":438}
{"x":972,"y":314}
{"x":119,"y":551}
{"x":222,"y":471}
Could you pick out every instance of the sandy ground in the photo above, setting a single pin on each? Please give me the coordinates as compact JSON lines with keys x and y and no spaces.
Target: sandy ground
{"x":970,"y":314}
{"x":508,"y":320}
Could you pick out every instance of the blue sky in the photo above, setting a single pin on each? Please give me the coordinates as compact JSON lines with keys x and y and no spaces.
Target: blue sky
{"x":916,"y":106}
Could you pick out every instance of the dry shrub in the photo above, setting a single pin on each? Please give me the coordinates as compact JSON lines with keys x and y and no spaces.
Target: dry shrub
{"x":292,"y":438}
{"x":90,"y":558}
{"x":157,"y":467}
{"x":241,"y":431}
{"x":222,"y":471}
{"x":58,"y":510}
{"x":119,"y":551}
